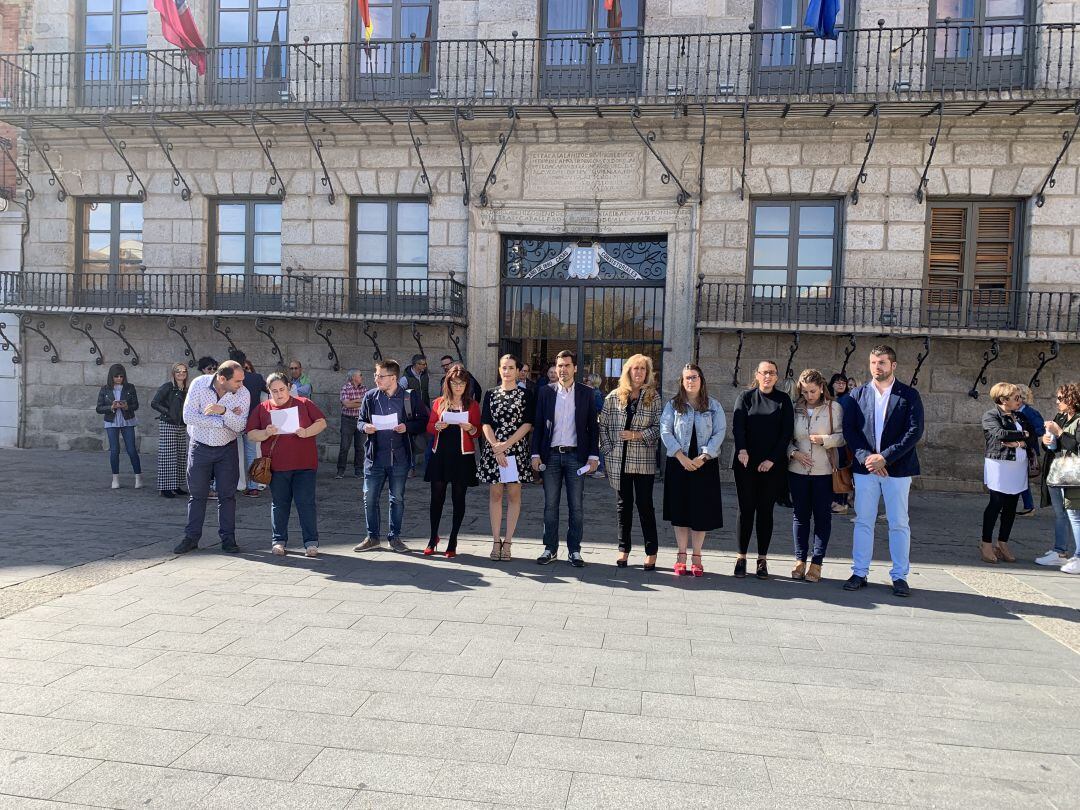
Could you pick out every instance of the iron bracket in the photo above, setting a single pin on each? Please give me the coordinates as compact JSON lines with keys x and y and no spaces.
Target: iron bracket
{"x":1051,"y":181}
{"x":850,"y":350}
{"x":76,"y":323}
{"x":989,"y":356}
{"x":701,"y":158}
{"x":189,"y":352}
{"x":373,"y":336}
{"x":870,"y":138}
{"x":8,"y":343}
{"x":745,"y":142}
{"x":416,"y":144}
{"x":225,"y":332}
{"x":461,"y":151}
{"x":28,"y":322}
{"x":668,"y":175}
{"x":43,"y":150}
{"x":264,"y":328}
{"x":166,"y":149}
{"x":325,"y":335}
{"x":21,"y":176}
{"x":793,"y":349}
{"x":275,"y":180}
{"x":920,"y":192}
{"x":316,"y":145}
{"x":453,"y":338}
{"x":504,"y":140}
{"x":920,"y":358}
{"x":129,"y":350}
{"x":1044,"y":358}
{"x":416,"y":336}
{"x":119,"y":147}
{"x":738,"y":360}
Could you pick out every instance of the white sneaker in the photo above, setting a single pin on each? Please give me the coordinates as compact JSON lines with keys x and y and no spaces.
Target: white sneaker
{"x":1052,"y":558}
{"x":1072,"y":566}
{"x":115,"y":482}
{"x":278,"y":549}
{"x":138,"y":482}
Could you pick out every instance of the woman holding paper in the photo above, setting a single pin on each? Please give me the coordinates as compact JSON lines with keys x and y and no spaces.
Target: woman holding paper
{"x":629,"y":432}
{"x":506,"y":419}
{"x":289,"y":426}
{"x":454,"y":422}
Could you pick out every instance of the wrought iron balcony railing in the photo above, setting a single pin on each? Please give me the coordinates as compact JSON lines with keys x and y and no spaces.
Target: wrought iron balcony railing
{"x":310,"y":296}
{"x":893,"y":310}
{"x":876,"y":64}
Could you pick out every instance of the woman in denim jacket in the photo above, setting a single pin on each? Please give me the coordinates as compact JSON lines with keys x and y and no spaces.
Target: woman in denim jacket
{"x":692,"y":429}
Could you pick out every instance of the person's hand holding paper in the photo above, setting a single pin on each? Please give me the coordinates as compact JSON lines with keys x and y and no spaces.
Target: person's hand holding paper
{"x":388,"y":422}
{"x":287,"y":420}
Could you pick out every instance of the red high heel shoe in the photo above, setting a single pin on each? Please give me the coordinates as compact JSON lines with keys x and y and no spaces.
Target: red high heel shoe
{"x":680,"y":565}
{"x":695,"y":567}
{"x":434,"y":544}
{"x":451,"y":552}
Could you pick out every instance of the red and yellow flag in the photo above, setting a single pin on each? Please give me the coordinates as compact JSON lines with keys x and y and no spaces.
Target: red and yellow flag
{"x":365,"y":18}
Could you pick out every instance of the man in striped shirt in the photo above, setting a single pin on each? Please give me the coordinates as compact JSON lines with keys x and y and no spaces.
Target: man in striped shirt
{"x":215,"y":412}
{"x":352,"y":395}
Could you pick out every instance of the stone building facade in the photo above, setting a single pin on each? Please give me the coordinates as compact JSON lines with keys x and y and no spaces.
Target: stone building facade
{"x":553,"y":172}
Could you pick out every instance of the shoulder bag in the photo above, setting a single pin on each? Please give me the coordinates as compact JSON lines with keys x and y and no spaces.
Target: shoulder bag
{"x":842,"y":480}
{"x":259,"y":471}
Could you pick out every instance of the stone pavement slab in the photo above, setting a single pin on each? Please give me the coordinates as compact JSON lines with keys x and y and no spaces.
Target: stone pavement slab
{"x":133,"y":678}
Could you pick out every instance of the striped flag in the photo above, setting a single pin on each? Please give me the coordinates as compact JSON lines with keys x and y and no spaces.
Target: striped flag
{"x":365,"y":18}
{"x":178,"y":27}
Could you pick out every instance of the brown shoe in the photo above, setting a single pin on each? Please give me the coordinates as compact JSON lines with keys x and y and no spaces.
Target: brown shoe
{"x":1003,"y":553}
{"x":813,"y":574}
{"x":986,"y":551}
{"x":799,"y":571}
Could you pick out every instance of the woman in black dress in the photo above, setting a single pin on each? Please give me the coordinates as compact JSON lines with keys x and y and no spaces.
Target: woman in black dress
{"x":506,"y":419}
{"x":763,"y":424}
{"x":692,"y":428}
{"x":453,"y":457}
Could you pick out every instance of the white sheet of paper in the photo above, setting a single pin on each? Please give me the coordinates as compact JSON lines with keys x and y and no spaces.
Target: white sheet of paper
{"x":583,"y":470}
{"x":388,"y":422}
{"x":509,"y":473}
{"x":455,"y":417}
{"x":286,"y":419}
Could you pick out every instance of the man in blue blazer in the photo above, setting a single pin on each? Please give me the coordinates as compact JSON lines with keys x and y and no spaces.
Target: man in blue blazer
{"x":566,"y":440}
{"x":882,"y":424}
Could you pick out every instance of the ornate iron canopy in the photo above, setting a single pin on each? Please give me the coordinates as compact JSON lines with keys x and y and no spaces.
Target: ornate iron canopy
{"x":587,"y":259}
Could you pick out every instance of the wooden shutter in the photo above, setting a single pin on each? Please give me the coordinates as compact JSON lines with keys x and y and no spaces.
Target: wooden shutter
{"x":945,"y":260}
{"x":995,"y":255}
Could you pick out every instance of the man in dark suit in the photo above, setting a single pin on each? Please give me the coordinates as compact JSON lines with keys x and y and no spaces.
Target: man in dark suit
{"x":566,"y":440}
{"x":882,"y":424}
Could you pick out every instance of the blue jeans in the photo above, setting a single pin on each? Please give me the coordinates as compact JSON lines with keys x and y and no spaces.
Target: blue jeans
{"x":869,"y":490}
{"x":287,"y":488}
{"x":374,"y":479}
{"x":128,"y":433}
{"x":562,"y":469}
{"x":250,"y":449}
{"x":223,"y":465}
{"x":812,"y":497}
{"x":1066,"y":522}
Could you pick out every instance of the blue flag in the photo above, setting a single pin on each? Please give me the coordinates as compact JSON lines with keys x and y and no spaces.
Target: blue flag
{"x":821,"y":17}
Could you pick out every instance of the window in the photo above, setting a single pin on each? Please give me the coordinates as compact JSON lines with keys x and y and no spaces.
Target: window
{"x":794,"y":243}
{"x":390,"y":246}
{"x":972,"y":246}
{"x":114,"y":41}
{"x":980,"y":43}
{"x":251,"y":61}
{"x":246,"y":247}
{"x":591,"y":48}
{"x":792,"y":63}
{"x":109,"y":254}
{"x":398,"y":63}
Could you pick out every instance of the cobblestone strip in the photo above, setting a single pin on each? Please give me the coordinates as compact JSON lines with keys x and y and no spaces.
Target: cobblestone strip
{"x":1040,"y":610}
{"x":24,"y":595}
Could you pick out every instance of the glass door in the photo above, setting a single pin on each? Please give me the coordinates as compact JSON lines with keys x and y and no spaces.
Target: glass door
{"x":398,"y":61}
{"x":797,"y":62}
{"x":250,"y":64}
{"x":980,"y":45}
{"x":592,"y":48}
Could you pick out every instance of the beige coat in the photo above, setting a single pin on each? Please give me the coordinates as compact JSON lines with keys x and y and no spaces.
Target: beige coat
{"x":817,"y":425}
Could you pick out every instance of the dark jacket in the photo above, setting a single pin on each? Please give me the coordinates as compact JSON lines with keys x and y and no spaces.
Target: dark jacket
{"x":999,"y":427}
{"x":1066,"y":443}
{"x":386,"y":448}
{"x":105,"y":401}
{"x":169,"y":402}
{"x":585,"y":422}
{"x":419,"y":384}
{"x":762,"y":425}
{"x":902,"y":431}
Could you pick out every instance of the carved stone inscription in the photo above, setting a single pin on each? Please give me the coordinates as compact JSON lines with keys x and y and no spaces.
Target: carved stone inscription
{"x":589,"y":174}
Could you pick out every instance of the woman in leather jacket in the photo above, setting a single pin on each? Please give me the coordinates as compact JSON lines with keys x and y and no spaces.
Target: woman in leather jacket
{"x":172,"y":434}
{"x":1010,"y":441}
{"x":117,"y":402}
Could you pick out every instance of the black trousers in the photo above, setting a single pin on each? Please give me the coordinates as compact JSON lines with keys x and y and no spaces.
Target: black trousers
{"x":1002,"y":504}
{"x":638,"y":488}
{"x":757,"y":492}
{"x":438,"y":500}
{"x":350,"y":436}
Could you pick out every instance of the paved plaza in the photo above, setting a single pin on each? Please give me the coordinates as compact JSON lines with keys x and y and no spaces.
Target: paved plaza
{"x":132,"y":678}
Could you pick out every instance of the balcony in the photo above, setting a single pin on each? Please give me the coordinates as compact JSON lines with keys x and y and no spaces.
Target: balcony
{"x":283,"y":296}
{"x":974,"y":313}
{"x":976,"y":69}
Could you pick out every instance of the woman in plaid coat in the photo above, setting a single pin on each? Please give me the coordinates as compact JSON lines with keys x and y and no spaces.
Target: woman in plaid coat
{"x":629,"y":433}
